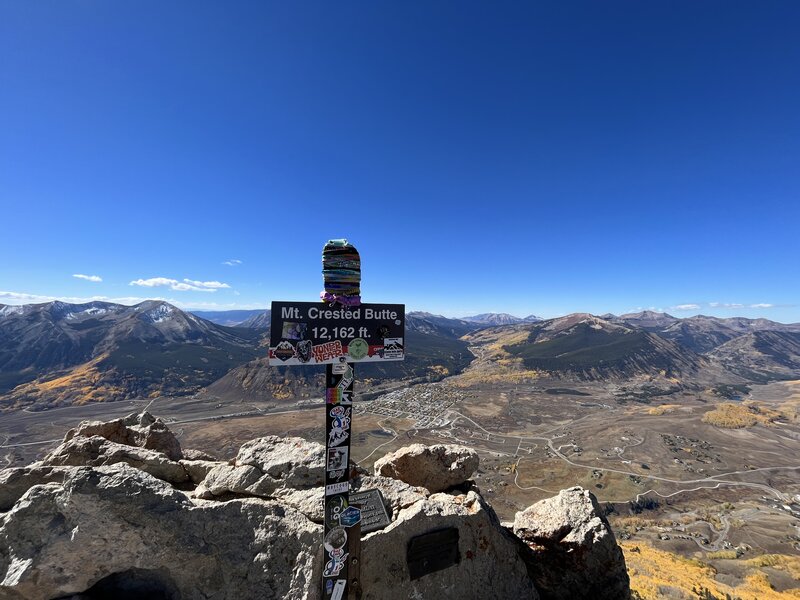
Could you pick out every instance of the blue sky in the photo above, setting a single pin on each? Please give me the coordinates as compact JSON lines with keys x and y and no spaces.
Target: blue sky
{"x":518,"y":157}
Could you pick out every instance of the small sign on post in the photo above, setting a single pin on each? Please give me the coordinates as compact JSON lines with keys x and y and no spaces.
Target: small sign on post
{"x":339,"y":332}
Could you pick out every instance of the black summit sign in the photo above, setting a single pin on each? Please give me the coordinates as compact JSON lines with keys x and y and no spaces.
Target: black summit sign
{"x":317,"y":333}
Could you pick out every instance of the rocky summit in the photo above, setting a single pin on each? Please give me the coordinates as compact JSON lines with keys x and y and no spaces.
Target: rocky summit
{"x":120,"y":511}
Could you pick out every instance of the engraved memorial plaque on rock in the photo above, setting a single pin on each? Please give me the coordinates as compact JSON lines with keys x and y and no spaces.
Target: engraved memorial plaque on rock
{"x":433,"y":551}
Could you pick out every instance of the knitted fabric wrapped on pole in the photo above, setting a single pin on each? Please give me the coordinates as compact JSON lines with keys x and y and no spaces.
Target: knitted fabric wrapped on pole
{"x":341,"y":271}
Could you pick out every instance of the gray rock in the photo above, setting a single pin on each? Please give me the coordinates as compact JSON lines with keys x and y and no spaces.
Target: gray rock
{"x":142,"y":430}
{"x":117,"y":527}
{"x":436,"y":468}
{"x":290,"y":462}
{"x":489,"y":563}
{"x":230,"y":479}
{"x":265,"y":466}
{"x":15,"y":482}
{"x":309,"y":502}
{"x":574,"y":554}
{"x":97,"y":451}
{"x":198,"y":469}
{"x":191,"y":454}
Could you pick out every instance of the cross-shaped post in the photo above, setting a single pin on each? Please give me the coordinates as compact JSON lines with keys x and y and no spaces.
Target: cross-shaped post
{"x":338,"y":332}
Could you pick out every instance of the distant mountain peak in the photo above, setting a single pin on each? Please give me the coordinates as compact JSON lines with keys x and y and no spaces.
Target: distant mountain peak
{"x":647,"y":314}
{"x":151,"y":304}
{"x":493,"y":319}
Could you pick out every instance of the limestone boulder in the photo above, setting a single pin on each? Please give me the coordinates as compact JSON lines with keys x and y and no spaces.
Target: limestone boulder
{"x":488,"y":562}
{"x":198,"y":470}
{"x":15,"y":482}
{"x":192,"y":454}
{"x":573,"y":552}
{"x":107,"y":531}
{"x":113,"y":530}
{"x":309,"y":502}
{"x":265,"y":466}
{"x":98,"y":451}
{"x":436,"y":468}
{"x":142,"y":430}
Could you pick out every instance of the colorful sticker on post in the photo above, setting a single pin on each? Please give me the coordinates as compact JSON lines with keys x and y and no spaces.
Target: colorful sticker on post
{"x":337,"y":458}
{"x":337,"y":396}
{"x":340,"y":425}
{"x":335,"y":541}
{"x":346,"y":379}
{"x":336,"y":506}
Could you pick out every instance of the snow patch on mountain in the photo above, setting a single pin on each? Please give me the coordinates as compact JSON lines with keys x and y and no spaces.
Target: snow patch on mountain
{"x":92,"y":311}
{"x":11,"y":310}
{"x":161,"y":313}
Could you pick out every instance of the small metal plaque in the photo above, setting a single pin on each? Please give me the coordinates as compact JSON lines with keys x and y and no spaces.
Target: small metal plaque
{"x":373,"y":510}
{"x":433,"y":551}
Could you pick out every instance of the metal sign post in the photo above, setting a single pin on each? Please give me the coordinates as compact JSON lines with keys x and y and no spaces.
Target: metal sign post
{"x":338,"y":332}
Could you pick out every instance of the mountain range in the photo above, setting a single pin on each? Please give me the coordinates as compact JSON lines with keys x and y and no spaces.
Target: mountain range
{"x":58,"y":354}
{"x":500,"y":319}
{"x":701,"y":333}
{"x":259,"y":319}
{"x":589,"y":347}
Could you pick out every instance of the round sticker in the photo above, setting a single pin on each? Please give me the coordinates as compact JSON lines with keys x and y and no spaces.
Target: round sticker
{"x":336,"y":539}
{"x":358,"y":348}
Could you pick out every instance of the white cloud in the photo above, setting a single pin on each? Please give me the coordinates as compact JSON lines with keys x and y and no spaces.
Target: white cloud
{"x":187,"y":285}
{"x":94,"y":278}
{"x":214,"y":285}
{"x":686,"y":307}
{"x":232,"y":262}
{"x":739,"y":305}
{"x":153,"y":282}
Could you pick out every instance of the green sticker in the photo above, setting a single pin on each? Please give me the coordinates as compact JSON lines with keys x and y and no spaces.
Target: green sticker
{"x":358,"y":349}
